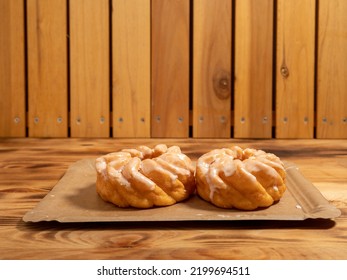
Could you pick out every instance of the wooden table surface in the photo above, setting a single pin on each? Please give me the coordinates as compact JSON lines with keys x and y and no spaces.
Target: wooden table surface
{"x":29,"y":169}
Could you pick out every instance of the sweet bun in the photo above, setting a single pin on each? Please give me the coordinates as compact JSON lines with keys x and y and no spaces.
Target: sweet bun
{"x":145,"y":177}
{"x":240,"y":178}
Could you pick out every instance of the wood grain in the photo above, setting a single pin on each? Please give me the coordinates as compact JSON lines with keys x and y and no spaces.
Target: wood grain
{"x":12,"y":69}
{"x":212,"y":68}
{"x":29,"y":168}
{"x":331,"y":70}
{"x":295,"y":69}
{"x":90,"y":68}
{"x":170,"y":68}
{"x":131,"y":68}
{"x":253,"y":68}
{"x":47,"y":85}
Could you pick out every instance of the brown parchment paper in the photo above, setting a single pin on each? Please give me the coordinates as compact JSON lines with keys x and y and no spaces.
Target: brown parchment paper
{"x":74,"y":199}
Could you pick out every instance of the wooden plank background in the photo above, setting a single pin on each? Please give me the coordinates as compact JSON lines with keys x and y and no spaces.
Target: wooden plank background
{"x":89,"y":68}
{"x":212,"y":68}
{"x":12,"y":69}
{"x":295,"y":69}
{"x":162,"y":68}
{"x":253,"y":68}
{"x":170,"y":68}
{"x":47,"y":68}
{"x":332,"y":70}
{"x":131,"y":49}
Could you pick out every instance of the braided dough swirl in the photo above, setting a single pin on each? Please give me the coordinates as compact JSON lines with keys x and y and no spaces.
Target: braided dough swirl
{"x":236,"y":178}
{"x":145,"y":177}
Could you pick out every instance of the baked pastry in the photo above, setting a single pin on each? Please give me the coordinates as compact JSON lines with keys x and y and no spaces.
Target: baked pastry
{"x":240,"y":178}
{"x":145,"y":177}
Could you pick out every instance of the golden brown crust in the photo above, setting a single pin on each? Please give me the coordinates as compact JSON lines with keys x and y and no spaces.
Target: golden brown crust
{"x":145,"y":177}
{"x":236,"y":178}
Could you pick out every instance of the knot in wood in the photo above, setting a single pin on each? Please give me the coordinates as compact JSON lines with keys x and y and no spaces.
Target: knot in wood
{"x":221,"y":85}
{"x":284,"y":71}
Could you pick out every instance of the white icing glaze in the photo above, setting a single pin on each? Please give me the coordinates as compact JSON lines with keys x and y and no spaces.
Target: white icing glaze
{"x":133,"y":153}
{"x":160,"y":149}
{"x":182,"y":157}
{"x":229,"y":169}
{"x":118,"y":176}
{"x":203,"y":166}
{"x":172,"y":168}
{"x":214,"y":181}
{"x":255,"y":166}
{"x":174,"y":149}
{"x":153,"y":166}
{"x":100,"y":165}
{"x":140,"y":177}
{"x":276,"y":164}
{"x":251,"y":166}
{"x":146,"y":152}
{"x":248,"y":175}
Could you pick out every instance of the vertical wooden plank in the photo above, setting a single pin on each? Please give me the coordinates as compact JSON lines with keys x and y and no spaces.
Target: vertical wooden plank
{"x":253,"y":68}
{"x":12,"y":69}
{"x":295,"y":69}
{"x":47,"y":68}
{"x":131,"y":68}
{"x":332,"y":70}
{"x":212,"y":68}
{"x":89,"y":68}
{"x":170,"y":68}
